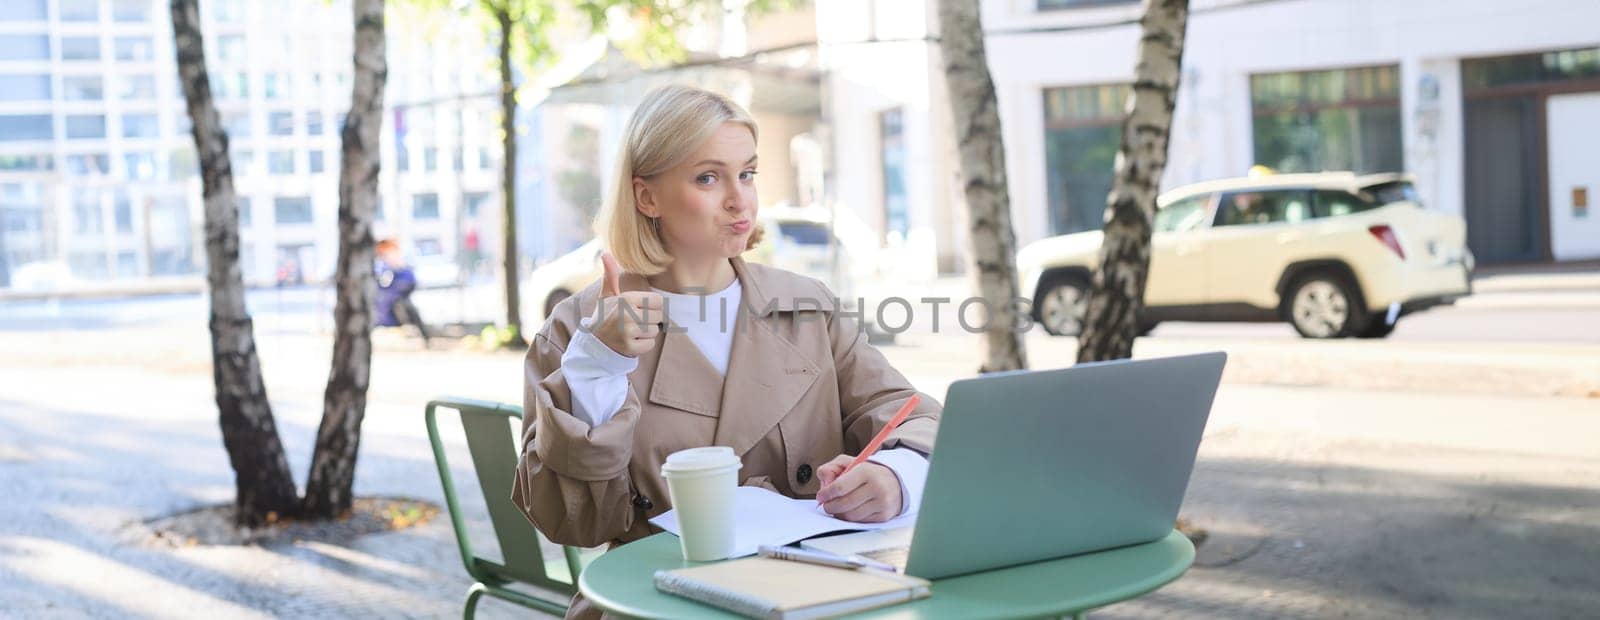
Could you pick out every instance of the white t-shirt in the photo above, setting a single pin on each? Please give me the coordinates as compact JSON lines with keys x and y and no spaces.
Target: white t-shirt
{"x":598,"y":376}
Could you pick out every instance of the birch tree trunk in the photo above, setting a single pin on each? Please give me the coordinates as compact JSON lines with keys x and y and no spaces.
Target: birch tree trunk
{"x":1111,"y":321}
{"x":263,"y":486}
{"x":983,"y":178}
{"x":333,"y":462}
{"x":508,"y":178}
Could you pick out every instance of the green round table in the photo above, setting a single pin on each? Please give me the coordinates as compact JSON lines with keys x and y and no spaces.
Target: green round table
{"x":620,"y":581}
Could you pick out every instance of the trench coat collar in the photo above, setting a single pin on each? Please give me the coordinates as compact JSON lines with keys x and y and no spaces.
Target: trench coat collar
{"x":767,"y":374}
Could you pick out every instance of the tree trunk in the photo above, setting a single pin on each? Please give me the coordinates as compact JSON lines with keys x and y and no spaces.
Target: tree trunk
{"x":508,"y":180}
{"x":344,"y":402}
{"x":264,"y":487}
{"x":1111,"y":321}
{"x":983,"y":177}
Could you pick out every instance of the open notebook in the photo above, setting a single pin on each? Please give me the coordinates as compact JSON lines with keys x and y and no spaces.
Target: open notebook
{"x":762,"y":517}
{"x":783,"y":590}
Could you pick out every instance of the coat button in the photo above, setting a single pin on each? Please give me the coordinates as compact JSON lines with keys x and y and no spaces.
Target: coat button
{"x":803,"y":474}
{"x":642,"y":503}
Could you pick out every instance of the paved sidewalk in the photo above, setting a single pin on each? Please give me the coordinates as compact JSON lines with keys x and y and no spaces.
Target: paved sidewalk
{"x":82,"y":467}
{"x":1324,"y":501}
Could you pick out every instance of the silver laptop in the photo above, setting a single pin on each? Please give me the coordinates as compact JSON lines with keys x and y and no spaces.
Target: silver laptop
{"x":1032,"y":466}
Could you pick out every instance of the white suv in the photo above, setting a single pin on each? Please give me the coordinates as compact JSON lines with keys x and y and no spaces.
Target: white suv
{"x":1334,"y":254}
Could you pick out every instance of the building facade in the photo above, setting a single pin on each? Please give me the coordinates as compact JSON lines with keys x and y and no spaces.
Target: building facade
{"x":97,"y":166}
{"x":1492,"y":105}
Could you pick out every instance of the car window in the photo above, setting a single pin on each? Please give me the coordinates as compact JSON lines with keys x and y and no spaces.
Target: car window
{"x":1336,"y":203}
{"x":1183,"y":215}
{"x":1264,"y":207}
{"x":803,"y":233}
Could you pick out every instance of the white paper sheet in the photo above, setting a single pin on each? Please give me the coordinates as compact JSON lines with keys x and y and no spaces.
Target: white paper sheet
{"x":762,"y":517}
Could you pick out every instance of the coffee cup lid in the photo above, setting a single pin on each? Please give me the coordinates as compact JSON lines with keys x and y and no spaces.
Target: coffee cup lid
{"x":700,"y":459}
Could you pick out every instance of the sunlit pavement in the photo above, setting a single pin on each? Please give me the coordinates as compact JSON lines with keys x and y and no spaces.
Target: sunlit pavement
{"x":1453,"y":476}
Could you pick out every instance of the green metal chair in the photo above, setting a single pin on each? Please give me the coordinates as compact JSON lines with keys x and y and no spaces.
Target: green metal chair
{"x":493,"y":447}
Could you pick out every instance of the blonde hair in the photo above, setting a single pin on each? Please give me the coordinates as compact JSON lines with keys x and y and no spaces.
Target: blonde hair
{"x":670,"y":122}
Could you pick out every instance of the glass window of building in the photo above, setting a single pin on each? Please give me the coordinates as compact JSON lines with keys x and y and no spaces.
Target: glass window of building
{"x":141,"y":165}
{"x":122,"y":211}
{"x":130,"y":10}
{"x":137,"y":88}
{"x":243,"y":160}
{"x":140,"y":126}
{"x":25,"y":87}
{"x":182,"y":164}
{"x":87,"y":217}
{"x":1083,"y":130}
{"x":243,"y":204}
{"x":402,"y":157}
{"x":21,"y":127}
{"x":280,"y":123}
{"x":425,"y":207}
{"x":230,"y":47}
{"x":275,"y":85}
{"x":23,"y":11}
{"x":474,"y":202}
{"x":134,"y":49}
{"x":127,"y":264}
{"x":80,"y":48}
{"x":24,"y":47}
{"x":428,"y":246}
{"x":232,"y":85}
{"x":1486,"y":74}
{"x":40,"y":162}
{"x":88,"y":164}
{"x":483,"y":158}
{"x":291,"y":210}
{"x":237,"y":124}
{"x":314,"y":161}
{"x":280,"y":162}
{"x":79,"y":10}
{"x":171,"y":251}
{"x":891,"y":134}
{"x":227,"y":11}
{"x":313,"y":123}
{"x":430,"y":159}
{"x":182,"y":125}
{"x":82,"y":88}
{"x":458,"y":159}
{"x":86,"y":126}
{"x":1342,"y":119}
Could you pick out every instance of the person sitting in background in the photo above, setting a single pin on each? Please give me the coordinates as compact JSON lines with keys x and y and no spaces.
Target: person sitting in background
{"x":395,"y":284}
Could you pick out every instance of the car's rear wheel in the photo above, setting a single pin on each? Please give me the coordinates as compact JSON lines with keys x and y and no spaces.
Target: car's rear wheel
{"x":1062,"y":302}
{"x":1324,"y":305}
{"x":556,"y":297}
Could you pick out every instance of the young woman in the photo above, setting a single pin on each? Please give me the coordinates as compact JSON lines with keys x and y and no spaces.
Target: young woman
{"x":683,"y":344}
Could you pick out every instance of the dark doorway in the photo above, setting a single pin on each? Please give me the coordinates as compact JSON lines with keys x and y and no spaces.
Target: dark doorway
{"x":1503,"y":158}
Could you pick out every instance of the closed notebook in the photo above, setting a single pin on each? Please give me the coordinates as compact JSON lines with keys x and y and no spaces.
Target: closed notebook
{"x":781,"y":589}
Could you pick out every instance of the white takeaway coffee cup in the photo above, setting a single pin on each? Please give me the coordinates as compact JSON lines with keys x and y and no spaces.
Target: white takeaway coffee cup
{"x":701,"y":482}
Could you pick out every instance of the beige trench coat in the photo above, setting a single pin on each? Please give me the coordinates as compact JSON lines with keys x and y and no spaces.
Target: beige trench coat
{"x":803,"y":386}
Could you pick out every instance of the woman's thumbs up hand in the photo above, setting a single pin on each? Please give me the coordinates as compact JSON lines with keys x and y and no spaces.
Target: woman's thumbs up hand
{"x":628,"y":322}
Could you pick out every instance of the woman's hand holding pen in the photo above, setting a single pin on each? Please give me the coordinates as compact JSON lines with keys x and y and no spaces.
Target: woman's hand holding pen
{"x":868,"y":493}
{"x":628,"y":322}
{"x":856,"y":489}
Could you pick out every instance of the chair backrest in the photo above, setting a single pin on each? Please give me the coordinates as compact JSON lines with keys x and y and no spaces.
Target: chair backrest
{"x":493,"y":447}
